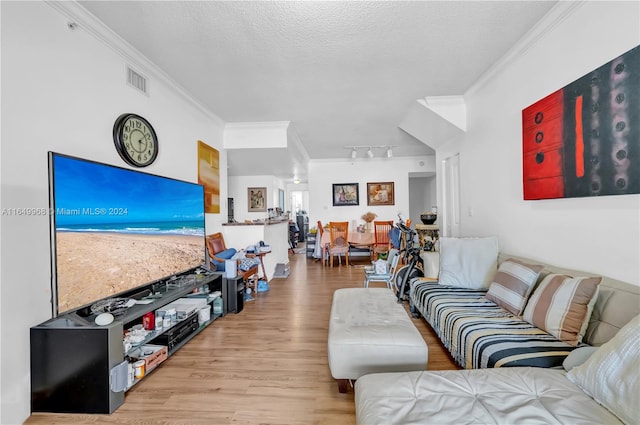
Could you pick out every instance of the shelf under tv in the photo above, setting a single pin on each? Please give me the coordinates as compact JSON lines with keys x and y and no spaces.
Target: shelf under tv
{"x":72,"y":357}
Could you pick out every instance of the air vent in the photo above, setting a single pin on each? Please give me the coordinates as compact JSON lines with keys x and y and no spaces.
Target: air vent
{"x":137,"y":81}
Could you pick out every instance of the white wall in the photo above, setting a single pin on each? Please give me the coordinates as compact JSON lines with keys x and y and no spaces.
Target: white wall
{"x":62,"y":90}
{"x":324,"y":173}
{"x":238,"y":186}
{"x":596,"y":234}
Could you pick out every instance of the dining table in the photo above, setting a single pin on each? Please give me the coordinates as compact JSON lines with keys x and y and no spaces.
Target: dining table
{"x":359,"y":239}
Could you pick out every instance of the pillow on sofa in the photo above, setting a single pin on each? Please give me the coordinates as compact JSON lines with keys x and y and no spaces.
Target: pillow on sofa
{"x":561,"y":305}
{"x":512,"y":284}
{"x":611,"y":375}
{"x":578,"y":356}
{"x":468,"y":262}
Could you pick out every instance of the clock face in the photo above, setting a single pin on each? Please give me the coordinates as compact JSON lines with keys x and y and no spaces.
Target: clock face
{"x":135,"y":140}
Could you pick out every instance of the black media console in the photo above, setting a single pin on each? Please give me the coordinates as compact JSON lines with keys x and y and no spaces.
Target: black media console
{"x":76,"y":365}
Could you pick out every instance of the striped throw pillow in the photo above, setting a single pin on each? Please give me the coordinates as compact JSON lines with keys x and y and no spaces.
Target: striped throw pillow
{"x":512,"y":284}
{"x":562,"y":306}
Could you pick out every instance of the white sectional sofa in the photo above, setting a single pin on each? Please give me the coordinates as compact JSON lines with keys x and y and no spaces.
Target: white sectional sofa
{"x":604,"y":389}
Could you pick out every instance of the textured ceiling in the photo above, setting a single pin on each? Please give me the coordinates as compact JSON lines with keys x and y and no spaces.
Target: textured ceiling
{"x":342,"y":72}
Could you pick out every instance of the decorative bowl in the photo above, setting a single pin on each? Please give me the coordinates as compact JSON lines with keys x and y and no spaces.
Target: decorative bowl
{"x":428,"y":218}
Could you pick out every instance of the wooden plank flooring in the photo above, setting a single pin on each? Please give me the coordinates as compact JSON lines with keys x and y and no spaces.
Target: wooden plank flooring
{"x":265,"y":365}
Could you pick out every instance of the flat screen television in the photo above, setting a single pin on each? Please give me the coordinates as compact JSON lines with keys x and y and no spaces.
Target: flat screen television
{"x":114,"y":229}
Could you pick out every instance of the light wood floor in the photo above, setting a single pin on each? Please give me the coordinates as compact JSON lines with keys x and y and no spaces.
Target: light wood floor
{"x":265,"y":365}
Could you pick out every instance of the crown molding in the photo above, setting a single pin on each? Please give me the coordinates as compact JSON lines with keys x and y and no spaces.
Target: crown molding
{"x":86,"y":21}
{"x":541,"y":29}
{"x":257,"y":124}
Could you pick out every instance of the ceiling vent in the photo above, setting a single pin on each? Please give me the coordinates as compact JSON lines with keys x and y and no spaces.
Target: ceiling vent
{"x":137,"y":81}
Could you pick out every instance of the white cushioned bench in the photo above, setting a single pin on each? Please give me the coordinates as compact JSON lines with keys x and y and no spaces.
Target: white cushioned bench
{"x":370,"y":332}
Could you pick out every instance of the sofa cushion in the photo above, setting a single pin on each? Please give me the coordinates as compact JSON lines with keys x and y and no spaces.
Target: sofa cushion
{"x":495,"y":396}
{"x":578,"y":356}
{"x":226,"y":254}
{"x":468,"y":262}
{"x":617,"y":303}
{"x":611,"y":375}
{"x":480,"y":334}
{"x":561,"y":305}
{"x":512,"y":284}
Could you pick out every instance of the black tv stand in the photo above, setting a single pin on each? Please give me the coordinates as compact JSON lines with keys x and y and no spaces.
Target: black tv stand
{"x":74,"y":362}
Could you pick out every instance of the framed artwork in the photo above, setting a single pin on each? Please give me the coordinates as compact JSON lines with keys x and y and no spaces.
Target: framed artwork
{"x":583,"y":139}
{"x":345,"y":194}
{"x":380,"y":193}
{"x":209,"y":176}
{"x":257,"y":199}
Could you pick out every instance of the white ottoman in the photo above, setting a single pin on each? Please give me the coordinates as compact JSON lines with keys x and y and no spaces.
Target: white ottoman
{"x":370,"y":332}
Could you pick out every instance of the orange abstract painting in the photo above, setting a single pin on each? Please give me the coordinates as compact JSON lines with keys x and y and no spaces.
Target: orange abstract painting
{"x":209,"y":176}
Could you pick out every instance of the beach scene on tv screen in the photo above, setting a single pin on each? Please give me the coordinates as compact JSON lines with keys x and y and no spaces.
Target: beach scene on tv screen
{"x":118,"y":229}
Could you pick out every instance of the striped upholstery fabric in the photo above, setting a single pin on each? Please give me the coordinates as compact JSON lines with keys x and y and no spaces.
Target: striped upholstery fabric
{"x":480,"y":334}
{"x":562,"y":306}
{"x":512,"y":284}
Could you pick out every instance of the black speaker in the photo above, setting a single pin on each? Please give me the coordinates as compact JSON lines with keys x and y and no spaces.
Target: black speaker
{"x":234,"y":295}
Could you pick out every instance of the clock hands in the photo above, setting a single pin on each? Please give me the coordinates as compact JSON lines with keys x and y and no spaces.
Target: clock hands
{"x":142,"y":144}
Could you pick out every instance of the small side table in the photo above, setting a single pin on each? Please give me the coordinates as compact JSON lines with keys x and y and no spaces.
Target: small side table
{"x":261,"y":255}
{"x":428,"y":233}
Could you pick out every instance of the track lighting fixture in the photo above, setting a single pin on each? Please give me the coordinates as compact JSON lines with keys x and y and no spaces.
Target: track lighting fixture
{"x":370,"y":154}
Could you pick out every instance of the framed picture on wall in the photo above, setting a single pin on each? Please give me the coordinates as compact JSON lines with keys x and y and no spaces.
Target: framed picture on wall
{"x":345,"y":194}
{"x":257,"y":199}
{"x":380,"y":193}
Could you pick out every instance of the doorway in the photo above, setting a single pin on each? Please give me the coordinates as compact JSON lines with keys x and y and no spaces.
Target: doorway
{"x":451,"y":196}
{"x":422,"y":195}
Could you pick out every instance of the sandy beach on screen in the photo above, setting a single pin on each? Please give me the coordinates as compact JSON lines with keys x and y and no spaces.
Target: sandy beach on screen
{"x":96,"y":265}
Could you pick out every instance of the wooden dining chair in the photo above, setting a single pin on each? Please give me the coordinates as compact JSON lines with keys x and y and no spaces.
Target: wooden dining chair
{"x":339,"y":245}
{"x":323,"y":249}
{"x":382,"y":243}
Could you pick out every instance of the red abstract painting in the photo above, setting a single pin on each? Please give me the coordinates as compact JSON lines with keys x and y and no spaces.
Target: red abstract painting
{"x":584,"y":139}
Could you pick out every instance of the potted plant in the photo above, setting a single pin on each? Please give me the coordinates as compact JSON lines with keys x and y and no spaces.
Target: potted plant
{"x":368,"y":218}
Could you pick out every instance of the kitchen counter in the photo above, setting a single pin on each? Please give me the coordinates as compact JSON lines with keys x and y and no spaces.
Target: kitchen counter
{"x":258,"y":223}
{"x":274,"y":233}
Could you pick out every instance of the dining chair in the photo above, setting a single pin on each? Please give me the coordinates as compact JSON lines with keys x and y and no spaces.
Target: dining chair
{"x":339,"y":245}
{"x":392,"y":264}
{"x":322,"y":249}
{"x":382,"y":243}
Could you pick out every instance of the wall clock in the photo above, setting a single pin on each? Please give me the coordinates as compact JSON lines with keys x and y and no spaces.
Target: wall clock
{"x":135,"y":139}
